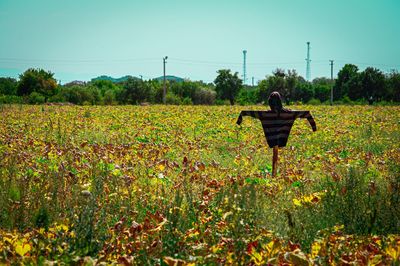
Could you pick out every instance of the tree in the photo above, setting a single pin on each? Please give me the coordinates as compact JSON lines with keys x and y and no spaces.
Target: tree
{"x":322,"y":92}
{"x":322,"y":88}
{"x":136,"y":91}
{"x":304,"y":91}
{"x":373,"y":83}
{"x":278,"y":82}
{"x":37,"y":80}
{"x":292,"y":80}
{"x":393,"y":86}
{"x":185,"y":89}
{"x":227,"y":85}
{"x":8,"y":86}
{"x":285,"y":83}
{"x":263,"y":91}
{"x":347,"y":79}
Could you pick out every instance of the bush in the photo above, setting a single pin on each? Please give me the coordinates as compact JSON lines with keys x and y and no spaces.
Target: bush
{"x":346,"y":100}
{"x":247,"y":97}
{"x":10,"y":99}
{"x":204,"y":96}
{"x":109,"y":97}
{"x":187,"y":101}
{"x":172,"y":99}
{"x":314,"y":101}
{"x":362,"y":201}
{"x":222,"y":102}
{"x":58,"y":98}
{"x":36,"y":98}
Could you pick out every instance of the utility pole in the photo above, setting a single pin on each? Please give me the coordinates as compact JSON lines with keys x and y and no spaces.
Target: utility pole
{"x":252,"y":81}
{"x":331,"y":81}
{"x":164,"y":84}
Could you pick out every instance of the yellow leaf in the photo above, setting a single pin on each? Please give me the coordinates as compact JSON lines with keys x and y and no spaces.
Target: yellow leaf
{"x":215,"y":249}
{"x":297,"y":202}
{"x":62,"y":227}
{"x":393,"y":252}
{"x":272,"y":248}
{"x":315,"y":248}
{"x":22,"y":248}
{"x":161,"y":167}
{"x":257,"y":257}
{"x":376,"y":260}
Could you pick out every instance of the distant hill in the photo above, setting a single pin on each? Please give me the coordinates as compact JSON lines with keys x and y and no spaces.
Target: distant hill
{"x":115,"y":80}
{"x":170,"y":78}
{"x":75,"y":83}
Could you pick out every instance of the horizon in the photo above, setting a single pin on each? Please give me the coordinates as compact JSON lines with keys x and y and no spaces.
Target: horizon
{"x":81,"y":41}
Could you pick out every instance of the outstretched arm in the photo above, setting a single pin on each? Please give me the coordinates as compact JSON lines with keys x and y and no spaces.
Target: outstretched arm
{"x":306,"y":114}
{"x":255,"y":114}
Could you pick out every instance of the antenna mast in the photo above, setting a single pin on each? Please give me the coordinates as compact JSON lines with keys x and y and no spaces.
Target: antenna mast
{"x":308,"y":60}
{"x":244,"y":66}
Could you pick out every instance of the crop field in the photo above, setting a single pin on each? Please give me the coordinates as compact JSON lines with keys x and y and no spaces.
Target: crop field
{"x":177,"y":185}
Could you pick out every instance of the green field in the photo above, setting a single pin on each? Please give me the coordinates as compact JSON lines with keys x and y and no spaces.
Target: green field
{"x":185,"y":184}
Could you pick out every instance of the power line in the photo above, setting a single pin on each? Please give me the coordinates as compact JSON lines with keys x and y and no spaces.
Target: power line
{"x":183,"y":61}
{"x":12,"y":59}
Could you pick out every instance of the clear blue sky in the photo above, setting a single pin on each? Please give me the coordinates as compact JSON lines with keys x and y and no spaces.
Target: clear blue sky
{"x":79,"y":40}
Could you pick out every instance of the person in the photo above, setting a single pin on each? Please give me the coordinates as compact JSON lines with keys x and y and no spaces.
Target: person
{"x":278,"y":121}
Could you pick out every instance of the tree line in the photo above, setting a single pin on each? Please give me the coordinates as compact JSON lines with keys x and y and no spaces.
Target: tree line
{"x":37,"y":86}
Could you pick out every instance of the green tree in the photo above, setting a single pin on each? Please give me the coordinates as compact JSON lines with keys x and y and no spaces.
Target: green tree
{"x":278,"y":82}
{"x":305,"y":91}
{"x":136,"y":91}
{"x":322,"y":88}
{"x":263,"y":91}
{"x":185,"y":89}
{"x":37,"y":80}
{"x":275,"y":82}
{"x":8,"y":86}
{"x":103,"y":85}
{"x":347,"y":80}
{"x":322,"y":92}
{"x":284,"y":83}
{"x":227,"y":85}
{"x":373,"y":83}
{"x":292,"y":79}
{"x":393,"y":86}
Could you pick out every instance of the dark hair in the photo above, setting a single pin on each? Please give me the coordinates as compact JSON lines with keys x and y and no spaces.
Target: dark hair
{"x":275,"y":102}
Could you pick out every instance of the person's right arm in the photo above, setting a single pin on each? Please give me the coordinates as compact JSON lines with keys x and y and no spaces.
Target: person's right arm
{"x":255,"y":114}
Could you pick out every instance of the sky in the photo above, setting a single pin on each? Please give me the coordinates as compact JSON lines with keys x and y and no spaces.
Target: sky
{"x":80,"y":40}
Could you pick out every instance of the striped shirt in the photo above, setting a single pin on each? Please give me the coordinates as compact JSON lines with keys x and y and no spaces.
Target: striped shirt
{"x":277,"y":126}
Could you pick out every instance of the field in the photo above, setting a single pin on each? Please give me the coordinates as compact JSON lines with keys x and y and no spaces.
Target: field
{"x":184,"y":184}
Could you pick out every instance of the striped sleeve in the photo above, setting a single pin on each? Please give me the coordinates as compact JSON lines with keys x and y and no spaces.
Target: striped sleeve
{"x":307,"y":114}
{"x":255,"y":114}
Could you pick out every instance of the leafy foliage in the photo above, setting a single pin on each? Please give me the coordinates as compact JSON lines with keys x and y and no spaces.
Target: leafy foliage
{"x":37,"y":80}
{"x":185,"y":185}
{"x":227,"y":85}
